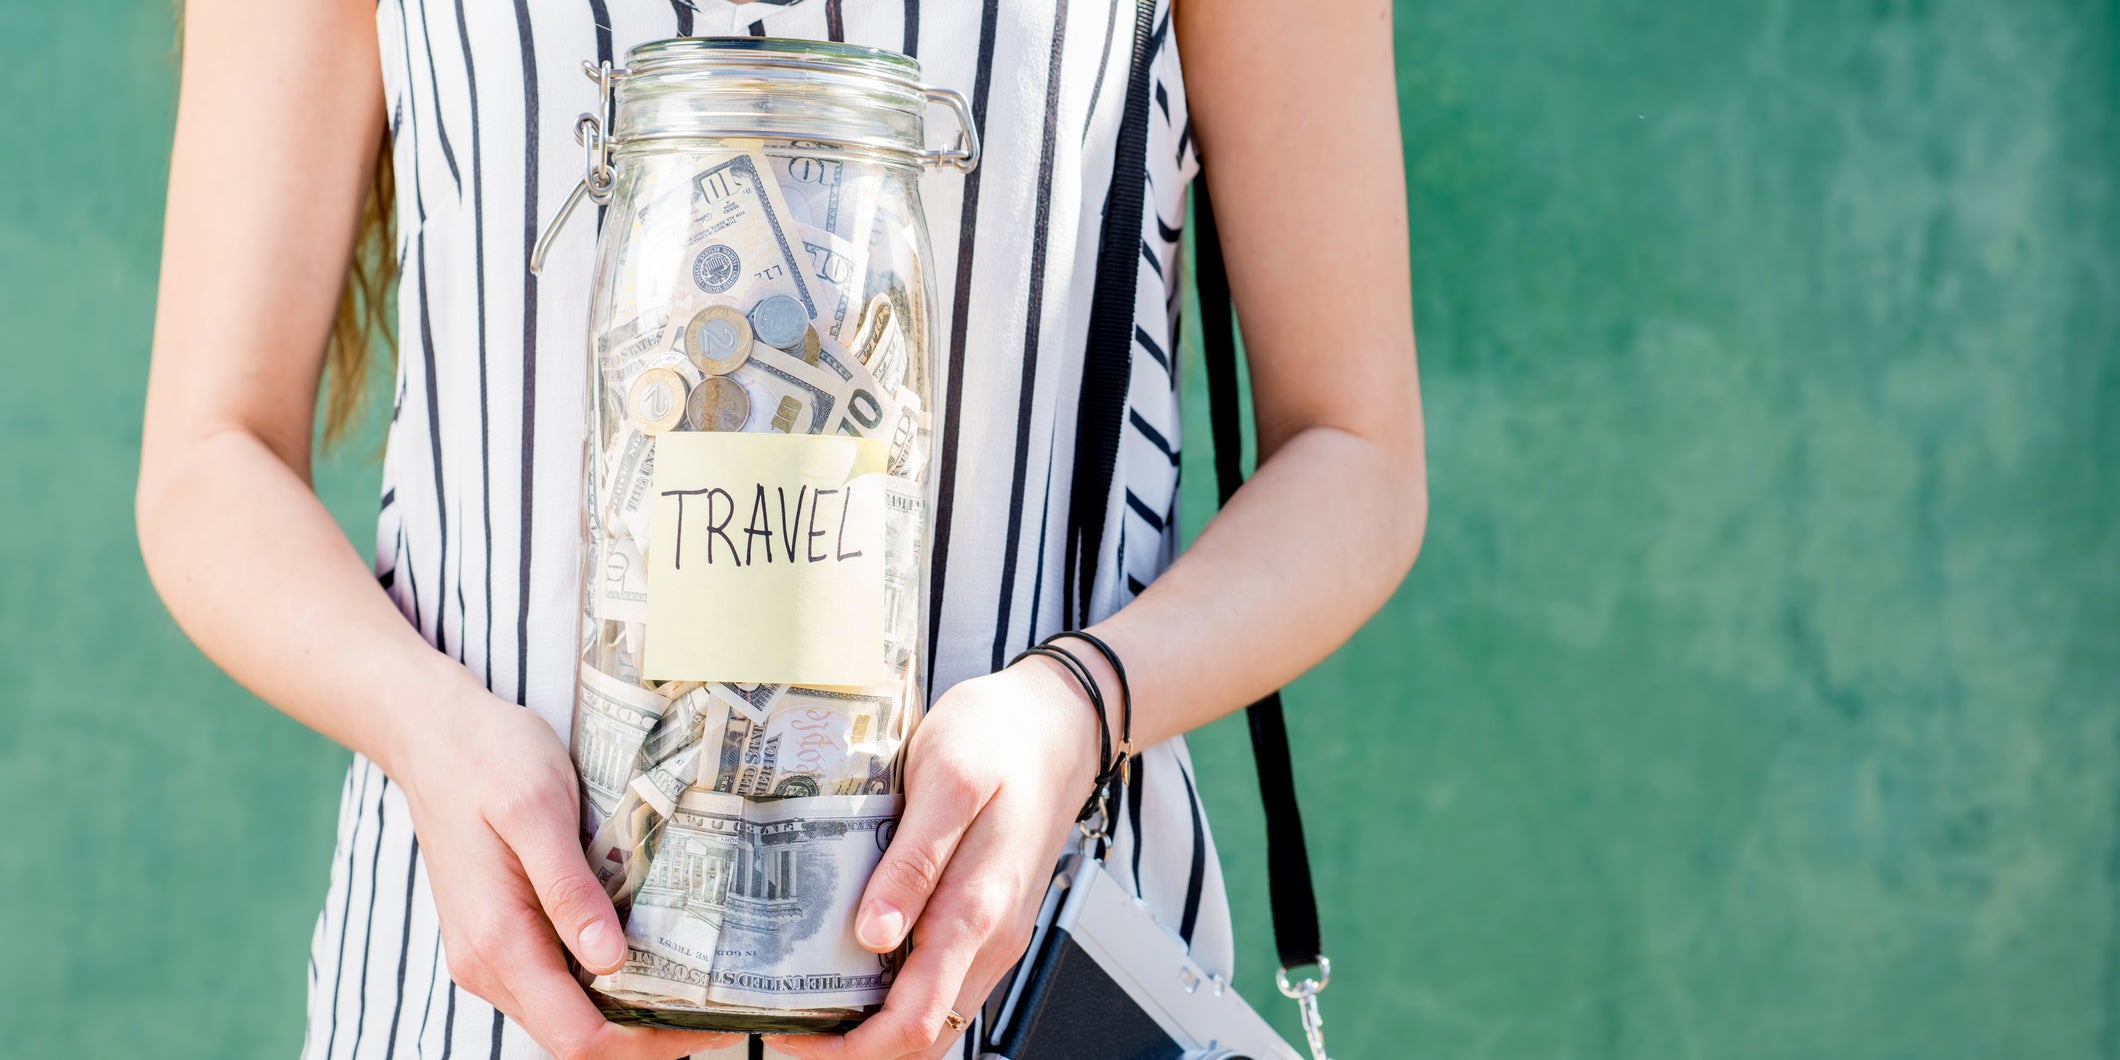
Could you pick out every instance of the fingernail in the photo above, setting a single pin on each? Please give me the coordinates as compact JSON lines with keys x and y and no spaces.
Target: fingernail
{"x":880,"y":927}
{"x":599,"y":946}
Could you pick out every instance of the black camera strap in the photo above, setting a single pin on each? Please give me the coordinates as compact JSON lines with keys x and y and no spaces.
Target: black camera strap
{"x":1099,"y":425}
{"x":1295,"y":902}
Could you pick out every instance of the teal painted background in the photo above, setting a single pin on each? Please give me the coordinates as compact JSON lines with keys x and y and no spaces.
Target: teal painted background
{"x":1757,"y":694}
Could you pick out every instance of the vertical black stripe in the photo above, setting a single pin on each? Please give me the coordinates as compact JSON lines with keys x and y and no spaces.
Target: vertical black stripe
{"x":478,"y":250}
{"x":1104,"y":58}
{"x":434,"y":86}
{"x":500,"y":1033}
{"x":755,"y":1048}
{"x":835,"y":27}
{"x":530,"y":142}
{"x":397,"y":1005}
{"x":338,"y":975}
{"x":1045,"y":520}
{"x":1134,"y":787}
{"x":1034,"y":318}
{"x":412,"y":111}
{"x":449,"y":1020}
{"x":375,"y":865}
{"x":434,"y":972}
{"x":600,"y":17}
{"x":912,"y":28}
{"x":434,"y":443}
{"x":434,"y":422}
{"x":404,"y":563}
{"x":960,"y":307}
{"x":684,"y":17}
{"x":1198,"y":876}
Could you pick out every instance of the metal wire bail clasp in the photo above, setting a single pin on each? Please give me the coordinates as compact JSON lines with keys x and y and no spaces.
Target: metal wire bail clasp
{"x":1305,"y":993}
{"x":963,"y":154}
{"x":593,"y":132}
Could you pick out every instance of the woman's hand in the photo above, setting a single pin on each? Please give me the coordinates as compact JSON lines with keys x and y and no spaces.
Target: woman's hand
{"x":495,"y":805}
{"x":994,"y":778}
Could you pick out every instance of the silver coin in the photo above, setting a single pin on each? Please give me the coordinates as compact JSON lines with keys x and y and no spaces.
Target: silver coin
{"x":718,"y":403}
{"x":780,"y":321}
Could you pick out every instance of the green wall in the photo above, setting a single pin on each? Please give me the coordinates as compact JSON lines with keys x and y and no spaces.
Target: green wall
{"x":1755,"y":696}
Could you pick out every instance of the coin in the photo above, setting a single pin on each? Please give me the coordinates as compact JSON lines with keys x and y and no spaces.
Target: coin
{"x":810,"y":345}
{"x":718,"y":403}
{"x":780,"y":321}
{"x":718,"y":339}
{"x":658,"y":400}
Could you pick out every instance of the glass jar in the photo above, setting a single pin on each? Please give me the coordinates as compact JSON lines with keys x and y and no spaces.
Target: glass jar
{"x":753,"y":526}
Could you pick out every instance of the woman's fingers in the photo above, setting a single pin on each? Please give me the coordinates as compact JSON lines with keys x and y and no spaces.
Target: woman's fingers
{"x":975,"y":926}
{"x":911,"y":1018}
{"x":540,"y":829}
{"x":551,"y":1006}
{"x":939,"y":805}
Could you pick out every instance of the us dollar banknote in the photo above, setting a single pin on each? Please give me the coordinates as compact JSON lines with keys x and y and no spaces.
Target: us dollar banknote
{"x":819,"y":742}
{"x":675,"y":923}
{"x":613,"y":719}
{"x":787,"y":938}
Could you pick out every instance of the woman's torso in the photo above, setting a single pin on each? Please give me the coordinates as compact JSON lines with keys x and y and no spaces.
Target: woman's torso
{"x":477,"y":537}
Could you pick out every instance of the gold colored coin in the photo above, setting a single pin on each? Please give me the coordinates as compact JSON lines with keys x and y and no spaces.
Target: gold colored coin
{"x":718,"y":403}
{"x":718,"y":339}
{"x":657,"y":402}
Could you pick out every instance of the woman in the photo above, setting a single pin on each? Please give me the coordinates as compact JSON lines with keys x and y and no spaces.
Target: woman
{"x":458,"y":875}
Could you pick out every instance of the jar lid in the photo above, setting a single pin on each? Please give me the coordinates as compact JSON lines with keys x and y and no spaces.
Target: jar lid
{"x":859,"y":99}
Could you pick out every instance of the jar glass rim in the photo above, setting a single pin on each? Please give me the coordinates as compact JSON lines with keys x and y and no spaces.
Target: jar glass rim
{"x":674,"y":51}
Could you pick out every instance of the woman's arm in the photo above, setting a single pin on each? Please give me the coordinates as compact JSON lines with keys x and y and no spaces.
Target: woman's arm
{"x":1297,"y":121}
{"x":278,"y":123}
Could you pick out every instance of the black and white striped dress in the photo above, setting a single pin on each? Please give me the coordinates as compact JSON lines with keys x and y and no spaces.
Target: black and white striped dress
{"x":477,"y":536}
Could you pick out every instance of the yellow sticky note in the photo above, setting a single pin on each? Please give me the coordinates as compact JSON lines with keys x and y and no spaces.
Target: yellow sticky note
{"x":767,"y":564}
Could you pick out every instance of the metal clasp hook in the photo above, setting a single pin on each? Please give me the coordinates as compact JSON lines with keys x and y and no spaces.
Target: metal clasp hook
{"x":593,"y":132}
{"x":961,"y":155}
{"x":1305,"y":994}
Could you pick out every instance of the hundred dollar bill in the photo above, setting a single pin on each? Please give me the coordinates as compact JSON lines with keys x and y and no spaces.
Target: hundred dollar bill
{"x":903,"y":507}
{"x":666,"y":781}
{"x":612,"y":721}
{"x":734,"y":736}
{"x":619,"y":592}
{"x":635,"y":346}
{"x":881,"y":344}
{"x":835,"y":278}
{"x":820,"y":742}
{"x":822,"y":194}
{"x":628,"y":486}
{"x":680,"y":722}
{"x":618,"y":851}
{"x":869,"y":408}
{"x":787,"y":933}
{"x":677,"y":915}
{"x":742,"y":247}
{"x":753,"y":700}
{"x":786,"y":394}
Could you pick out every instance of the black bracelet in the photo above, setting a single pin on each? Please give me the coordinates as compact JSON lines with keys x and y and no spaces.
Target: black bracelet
{"x":1106,"y":766}
{"x":1126,"y":692}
